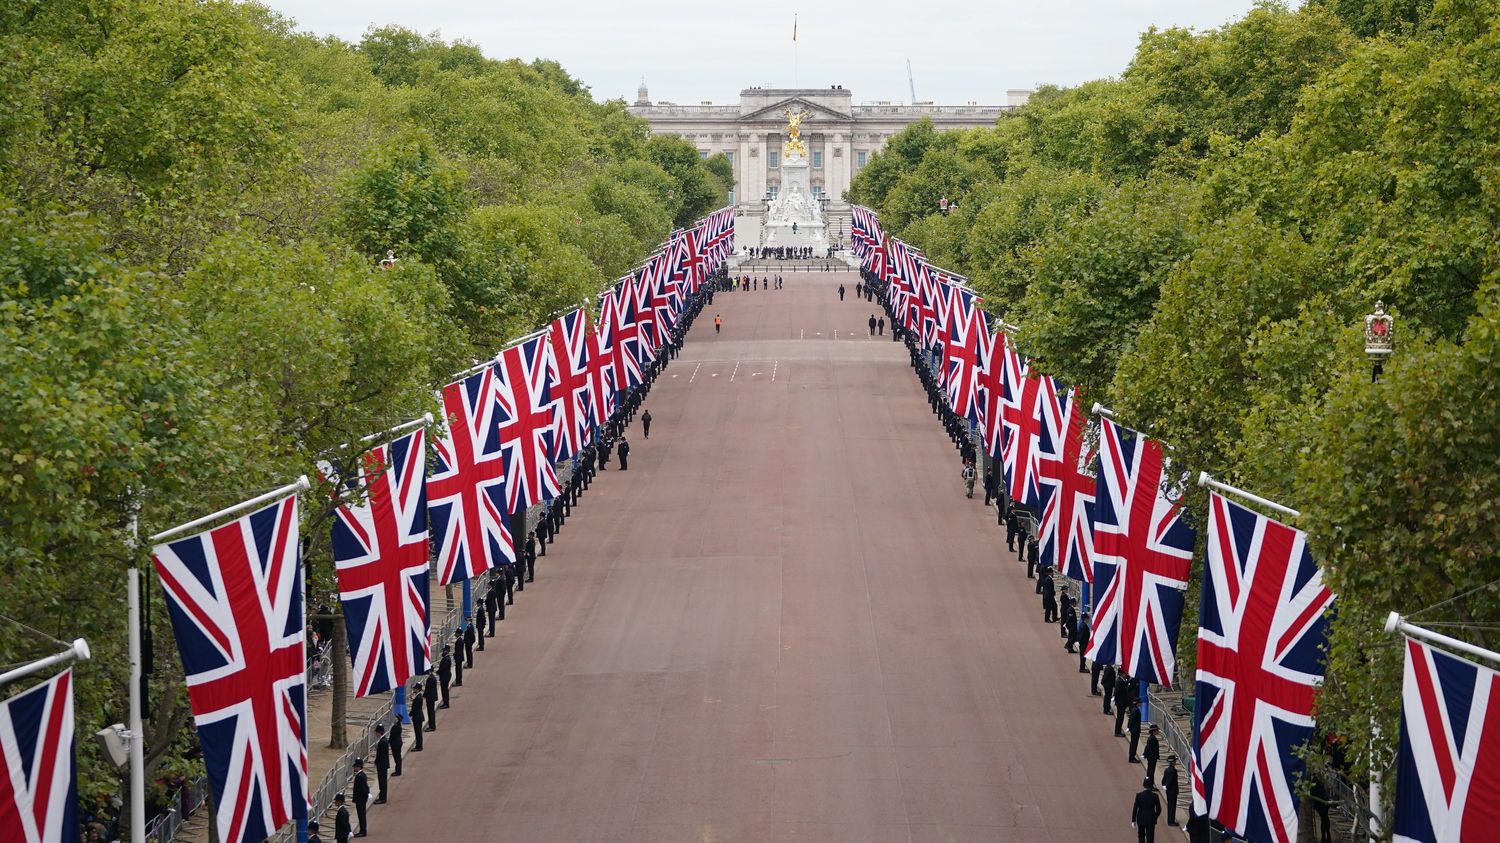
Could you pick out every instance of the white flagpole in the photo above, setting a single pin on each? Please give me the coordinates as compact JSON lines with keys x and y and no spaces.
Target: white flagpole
{"x":134,"y":719}
{"x":78,"y":652}
{"x":302,"y":485}
{"x":1205,"y":480}
{"x":1395,"y":623}
{"x":393,"y":432}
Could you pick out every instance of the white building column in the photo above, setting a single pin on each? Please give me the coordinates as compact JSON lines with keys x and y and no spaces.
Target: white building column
{"x":742,"y":192}
{"x":758,"y":176}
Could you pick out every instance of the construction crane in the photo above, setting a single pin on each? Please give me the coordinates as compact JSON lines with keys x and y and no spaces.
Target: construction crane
{"x":911,"y":82}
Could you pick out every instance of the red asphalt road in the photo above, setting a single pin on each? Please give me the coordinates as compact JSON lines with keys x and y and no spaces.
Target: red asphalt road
{"x":785,"y":622}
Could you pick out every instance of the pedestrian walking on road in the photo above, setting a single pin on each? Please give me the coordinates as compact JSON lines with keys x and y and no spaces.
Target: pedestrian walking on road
{"x":624,"y":454}
{"x":880,"y":326}
{"x":718,"y":326}
{"x":646,"y":424}
{"x":841,"y":292}
{"x":1144,"y":813}
{"x":967,"y":473}
{"x":859,"y":289}
{"x":872,"y":324}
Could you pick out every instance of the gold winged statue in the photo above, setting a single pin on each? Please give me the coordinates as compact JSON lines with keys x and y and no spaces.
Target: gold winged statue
{"x":794,"y":145}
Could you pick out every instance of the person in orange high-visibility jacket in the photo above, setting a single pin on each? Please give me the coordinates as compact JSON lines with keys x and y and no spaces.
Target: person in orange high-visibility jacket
{"x":718,"y":323}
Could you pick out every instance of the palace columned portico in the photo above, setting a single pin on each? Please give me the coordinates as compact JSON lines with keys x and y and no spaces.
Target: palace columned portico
{"x":840,"y":136}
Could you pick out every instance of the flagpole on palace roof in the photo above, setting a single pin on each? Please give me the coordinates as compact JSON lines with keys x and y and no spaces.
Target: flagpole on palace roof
{"x":1204,"y":479}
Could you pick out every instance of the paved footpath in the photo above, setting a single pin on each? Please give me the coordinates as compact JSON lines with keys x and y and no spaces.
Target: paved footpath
{"x":785,"y":622}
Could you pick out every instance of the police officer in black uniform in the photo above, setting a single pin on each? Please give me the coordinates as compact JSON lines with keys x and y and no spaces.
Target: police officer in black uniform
{"x":361,"y":797}
{"x":444,"y":675}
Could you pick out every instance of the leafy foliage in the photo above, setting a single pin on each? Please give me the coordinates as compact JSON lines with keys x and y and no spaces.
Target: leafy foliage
{"x":1196,"y":243}
{"x":191,"y":309}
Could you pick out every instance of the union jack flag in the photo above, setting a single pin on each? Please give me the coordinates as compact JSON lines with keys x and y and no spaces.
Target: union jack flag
{"x":961,"y":352}
{"x":664,"y":299}
{"x":380,"y":557}
{"x":38,"y":776}
{"x":1260,"y":653}
{"x":234,"y":594}
{"x":526,"y":414}
{"x":1448,"y":765}
{"x":600,"y":369}
{"x":568,"y":337}
{"x":1139,"y":532}
{"x":691,"y":266}
{"x":992,"y":391}
{"x":618,"y":310}
{"x":1066,"y":542}
{"x":716,"y":238}
{"x":866,"y":238}
{"x":466,"y":491}
{"x":648,"y":278}
{"x":1021,"y":422}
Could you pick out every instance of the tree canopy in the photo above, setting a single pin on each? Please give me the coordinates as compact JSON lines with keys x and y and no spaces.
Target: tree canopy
{"x":196,"y":199}
{"x":1196,"y":243}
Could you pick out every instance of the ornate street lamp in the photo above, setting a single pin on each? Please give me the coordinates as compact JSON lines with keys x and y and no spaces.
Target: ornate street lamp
{"x":943,"y":205}
{"x":1380,"y":341}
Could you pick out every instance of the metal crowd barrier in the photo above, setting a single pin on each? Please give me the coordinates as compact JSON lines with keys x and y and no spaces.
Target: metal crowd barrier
{"x":163,"y":827}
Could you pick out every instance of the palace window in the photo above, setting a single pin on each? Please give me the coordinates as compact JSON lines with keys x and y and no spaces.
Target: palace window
{"x":730,"y":156}
{"x":773,"y":158}
{"x":859,"y":158}
{"x":818,"y":159}
{"x":774,"y":190}
{"x":703,"y":153}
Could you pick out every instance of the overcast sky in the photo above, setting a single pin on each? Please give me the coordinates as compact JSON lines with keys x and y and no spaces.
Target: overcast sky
{"x":960,"y":50}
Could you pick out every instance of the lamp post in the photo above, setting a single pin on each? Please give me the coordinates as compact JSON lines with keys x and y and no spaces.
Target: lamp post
{"x":1380,"y":340}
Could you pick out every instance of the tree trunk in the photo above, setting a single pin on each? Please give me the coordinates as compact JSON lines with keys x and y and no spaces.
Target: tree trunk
{"x":338,"y":733}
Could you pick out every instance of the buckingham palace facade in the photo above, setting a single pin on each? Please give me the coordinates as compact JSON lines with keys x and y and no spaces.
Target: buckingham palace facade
{"x":841,"y":136}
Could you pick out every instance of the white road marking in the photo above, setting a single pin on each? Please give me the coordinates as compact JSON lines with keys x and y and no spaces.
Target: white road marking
{"x":801,"y":333}
{"x":715,"y":374}
{"x":735,"y":372}
{"x":695,"y":372}
{"x":774,"y":365}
